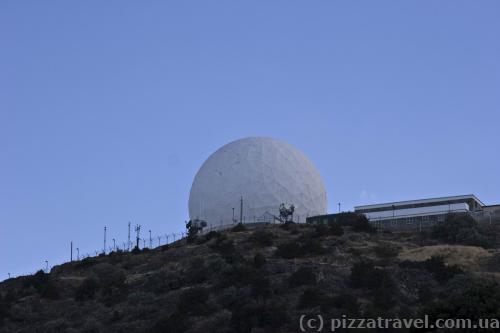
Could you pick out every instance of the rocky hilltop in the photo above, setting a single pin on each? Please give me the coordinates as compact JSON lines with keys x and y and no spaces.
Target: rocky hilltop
{"x":262,"y":279}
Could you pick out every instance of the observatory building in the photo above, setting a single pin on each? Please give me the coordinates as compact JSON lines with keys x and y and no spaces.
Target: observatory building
{"x":247,"y":180}
{"x":420,"y":213}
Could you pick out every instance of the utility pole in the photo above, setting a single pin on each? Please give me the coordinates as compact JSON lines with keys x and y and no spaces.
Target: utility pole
{"x":166,"y":237}
{"x":241,"y":209}
{"x":71,"y":255}
{"x":233,"y":215}
{"x":128,"y":237}
{"x":339,"y":207}
{"x":150,"y":240}
{"x":173,"y":235}
{"x":77,"y":253}
{"x":114,"y":245}
{"x":104,"y":240}
{"x":138,"y":234}
{"x":46,"y":266}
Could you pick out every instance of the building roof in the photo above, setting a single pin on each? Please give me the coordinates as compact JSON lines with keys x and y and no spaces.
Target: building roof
{"x":422,"y":202}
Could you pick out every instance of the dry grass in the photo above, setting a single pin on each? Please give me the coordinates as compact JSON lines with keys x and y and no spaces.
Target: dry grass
{"x":467,"y":257}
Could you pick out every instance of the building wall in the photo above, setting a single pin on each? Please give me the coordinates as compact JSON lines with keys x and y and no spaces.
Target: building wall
{"x":421,"y":211}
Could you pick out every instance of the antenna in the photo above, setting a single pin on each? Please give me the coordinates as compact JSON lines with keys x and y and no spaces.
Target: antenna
{"x":128,"y":237}
{"x":241,"y":209}
{"x":104,"y":240}
{"x":138,"y":234}
{"x":150,"y":240}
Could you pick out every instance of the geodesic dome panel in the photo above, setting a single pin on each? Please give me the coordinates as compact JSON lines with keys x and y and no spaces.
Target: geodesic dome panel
{"x":265,"y":172}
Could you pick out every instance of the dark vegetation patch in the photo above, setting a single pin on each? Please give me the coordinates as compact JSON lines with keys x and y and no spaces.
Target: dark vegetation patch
{"x":301,"y":247}
{"x":240,"y":227}
{"x":262,"y":238}
{"x":302,"y":276}
{"x":463,"y":229}
{"x":358,"y":222}
{"x":441,"y":272}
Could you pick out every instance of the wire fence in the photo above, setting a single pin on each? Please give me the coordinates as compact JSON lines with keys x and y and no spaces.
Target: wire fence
{"x":112,"y":246}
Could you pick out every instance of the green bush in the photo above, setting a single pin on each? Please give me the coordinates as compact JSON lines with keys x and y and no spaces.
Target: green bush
{"x":239,"y":228}
{"x":259,"y":260}
{"x":197,"y":272}
{"x":43,"y":284}
{"x":170,"y":322}
{"x":269,"y":316}
{"x":466,"y":297}
{"x":358,"y":222}
{"x":365,"y":275}
{"x":300,"y":248}
{"x":462,"y":229}
{"x":386,"y":251}
{"x":441,"y":272}
{"x":193,"y":302}
{"x":333,"y":229}
{"x":302,"y":276}
{"x":262,"y":238}
{"x":347,"y":303}
{"x":89,"y":287}
{"x":312,"y":298}
{"x":226,"y":248}
{"x":209,"y":236}
{"x":289,"y":250}
{"x":336,"y":230}
{"x":261,"y":287}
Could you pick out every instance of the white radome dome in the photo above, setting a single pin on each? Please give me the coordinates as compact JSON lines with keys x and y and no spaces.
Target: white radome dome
{"x":265,"y":172}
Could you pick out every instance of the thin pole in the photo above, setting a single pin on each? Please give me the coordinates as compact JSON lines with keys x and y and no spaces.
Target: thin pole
{"x":128,"y":237}
{"x":104,"y":240}
{"x":241,"y":209}
{"x":233,"y":215}
{"x":339,"y":207}
{"x":77,"y":253}
{"x":71,"y":255}
{"x":159,"y":241}
{"x":150,"y":240}
{"x":138,"y":232}
{"x":114,"y":245}
{"x":46,"y":266}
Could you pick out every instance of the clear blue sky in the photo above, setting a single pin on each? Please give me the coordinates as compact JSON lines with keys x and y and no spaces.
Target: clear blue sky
{"x":107,"y":109}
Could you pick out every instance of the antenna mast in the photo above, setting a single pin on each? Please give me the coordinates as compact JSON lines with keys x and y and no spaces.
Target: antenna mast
{"x":138,"y":234}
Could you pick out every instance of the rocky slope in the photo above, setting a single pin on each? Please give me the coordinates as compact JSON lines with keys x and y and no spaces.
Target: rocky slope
{"x":257,"y":280}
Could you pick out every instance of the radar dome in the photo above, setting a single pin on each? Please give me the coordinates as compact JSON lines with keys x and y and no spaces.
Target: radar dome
{"x":262,"y":173}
